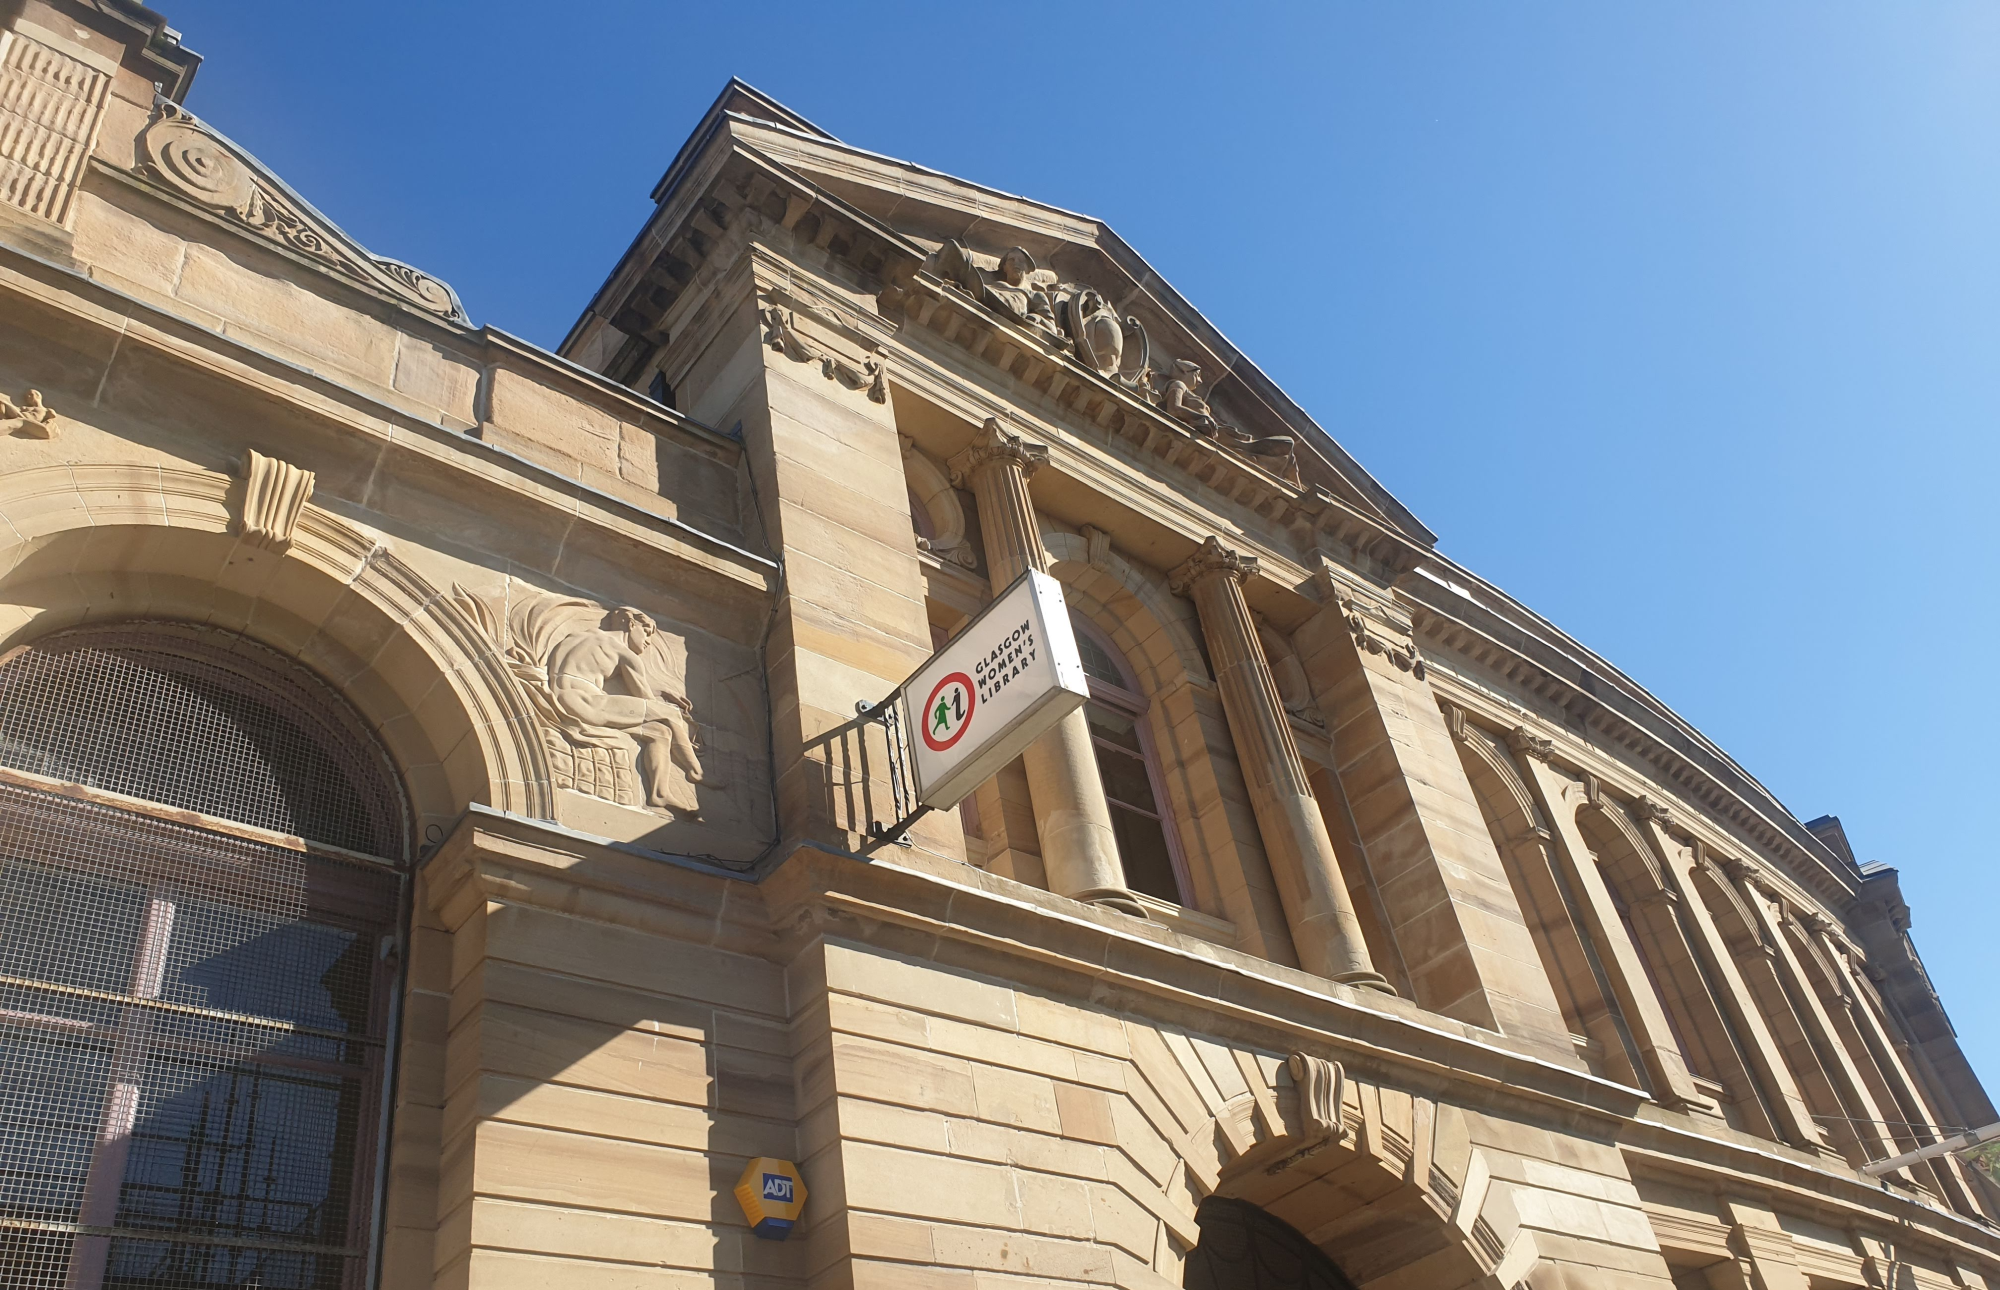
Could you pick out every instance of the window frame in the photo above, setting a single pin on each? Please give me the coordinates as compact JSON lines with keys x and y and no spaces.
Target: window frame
{"x":1127,"y":700}
{"x":359,"y":892}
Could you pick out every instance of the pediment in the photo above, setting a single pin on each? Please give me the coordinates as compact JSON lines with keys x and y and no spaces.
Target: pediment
{"x":946,"y":238}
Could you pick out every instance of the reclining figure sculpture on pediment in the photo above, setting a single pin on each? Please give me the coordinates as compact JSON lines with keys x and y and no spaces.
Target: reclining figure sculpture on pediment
{"x":612,"y":699}
{"x":1182,"y":401}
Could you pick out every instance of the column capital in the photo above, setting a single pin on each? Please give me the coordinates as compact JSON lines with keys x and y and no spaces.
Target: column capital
{"x":996,"y":443}
{"x":1213,"y":558}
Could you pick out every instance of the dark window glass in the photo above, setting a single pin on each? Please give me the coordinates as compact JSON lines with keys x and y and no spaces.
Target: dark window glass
{"x":1097,"y":661}
{"x":1135,"y":810}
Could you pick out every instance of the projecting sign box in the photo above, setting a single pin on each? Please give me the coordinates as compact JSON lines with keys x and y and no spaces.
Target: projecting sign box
{"x":996,"y":688}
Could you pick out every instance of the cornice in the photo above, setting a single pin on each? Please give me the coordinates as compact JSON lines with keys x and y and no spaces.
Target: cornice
{"x":134,"y":322}
{"x":719,"y":185}
{"x":1094,"y":413}
{"x":1702,"y":1160}
{"x":1452,"y":623}
{"x":1150,"y":968}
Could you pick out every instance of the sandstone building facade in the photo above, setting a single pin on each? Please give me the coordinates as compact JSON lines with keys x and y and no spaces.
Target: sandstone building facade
{"x":440,"y":844}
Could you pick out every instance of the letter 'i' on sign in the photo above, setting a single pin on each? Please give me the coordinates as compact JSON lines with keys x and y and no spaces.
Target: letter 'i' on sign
{"x":771,"y":1194}
{"x":1008,"y":676}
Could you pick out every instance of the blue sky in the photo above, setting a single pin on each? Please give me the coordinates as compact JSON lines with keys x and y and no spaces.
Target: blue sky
{"x":1680,"y":322}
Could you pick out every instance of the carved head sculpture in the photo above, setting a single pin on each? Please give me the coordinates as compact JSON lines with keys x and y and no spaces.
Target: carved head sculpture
{"x":637,"y":625}
{"x":1015,"y":266}
{"x":34,"y":405}
{"x":1188,"y":371}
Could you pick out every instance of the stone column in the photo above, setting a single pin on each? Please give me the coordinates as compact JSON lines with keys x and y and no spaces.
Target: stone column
{"x":1309,"y":880}
{"x":1794,"y":1122}
{"x":1079,"y":851}
{"x":1916,"y":1108}
{"x":1850,"y":1087}
{"x":1645,"y":1016}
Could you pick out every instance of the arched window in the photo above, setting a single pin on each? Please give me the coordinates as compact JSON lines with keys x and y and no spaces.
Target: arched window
{"x":1147,"y":844}
{"x":193,"y":1013}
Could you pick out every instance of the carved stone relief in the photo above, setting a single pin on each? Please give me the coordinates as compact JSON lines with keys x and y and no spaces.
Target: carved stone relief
{"x":1014,"y":286}
{"x":274,"y":496}
{"x":29,"y":419}
{"x":50,"y":106}
{"x":1078,"y":319}
{"x":949,"y":538}
{"x":201,"y":165}
{"x":1290,"y":675}
{"x":611,"y":690}
{"x":1377,"y":625}
{"x":781,"y":333}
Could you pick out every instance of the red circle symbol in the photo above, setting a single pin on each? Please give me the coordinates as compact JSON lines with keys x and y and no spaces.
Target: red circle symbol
{"x":948,"y":712}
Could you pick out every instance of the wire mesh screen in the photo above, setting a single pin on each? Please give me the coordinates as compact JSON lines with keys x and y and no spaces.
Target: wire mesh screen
{"x":202,"y":720}
{"x":192,"y":1033}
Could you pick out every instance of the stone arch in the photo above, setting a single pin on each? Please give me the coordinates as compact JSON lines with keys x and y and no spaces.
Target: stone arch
{"x":1155,"y":631}
{"x":1152,"y":627}
{"x":95,"y":543}
{"x":1708,"y":1039}
{"x":1573,"y":963}
{"x":1385,"y":1182}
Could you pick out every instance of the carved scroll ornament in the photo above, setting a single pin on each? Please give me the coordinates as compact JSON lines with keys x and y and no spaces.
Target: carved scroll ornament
{"x":1322,"y":1086}
{"x":611,"y":691}
{"x":29,"y":419}
{"x":184,"y":153}
{"x":1403,"y":654}
{"x":781,"y":333}
{"x":274,"y":497}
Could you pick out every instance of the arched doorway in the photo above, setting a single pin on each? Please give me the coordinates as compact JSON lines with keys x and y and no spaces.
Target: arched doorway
{"x":1244,"y":1248}
{"x":202,"y":864}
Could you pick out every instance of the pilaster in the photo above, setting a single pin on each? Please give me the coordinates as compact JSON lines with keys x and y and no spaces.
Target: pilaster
{"x":1449,"y":904}
{"x":1829,"y":1049}
{"x":610,"y":1067}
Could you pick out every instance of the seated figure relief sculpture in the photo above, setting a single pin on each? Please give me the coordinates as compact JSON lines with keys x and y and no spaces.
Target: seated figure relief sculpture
{"x":615,"y":705}
{"x":1016,"y":288}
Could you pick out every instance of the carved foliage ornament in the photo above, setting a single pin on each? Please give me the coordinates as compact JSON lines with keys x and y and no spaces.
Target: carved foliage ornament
{"x":29,"y":419}
{"x":611,"y":691}
{"x":274,"y":497}
{"x":996,"y":443}
{"x":781,"y":332}
{"x":1212,"y":558}
{"x":182,"y":152}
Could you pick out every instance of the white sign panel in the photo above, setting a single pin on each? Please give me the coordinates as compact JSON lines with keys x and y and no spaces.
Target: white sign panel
{"x":996,"y":688}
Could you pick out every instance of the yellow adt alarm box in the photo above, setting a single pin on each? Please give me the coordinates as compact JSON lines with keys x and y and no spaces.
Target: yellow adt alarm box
{"x":771,"y":1194}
